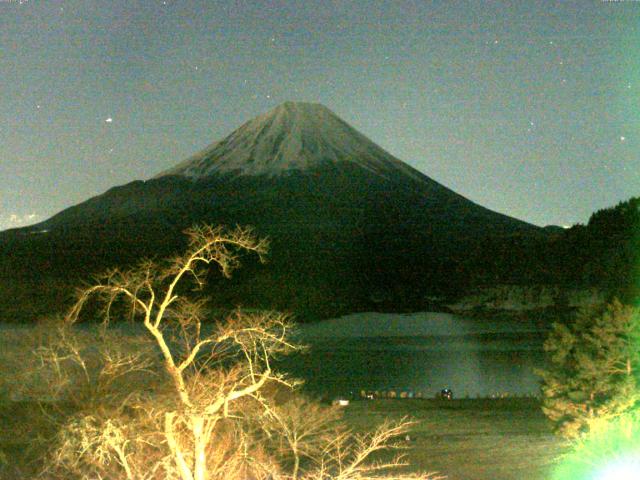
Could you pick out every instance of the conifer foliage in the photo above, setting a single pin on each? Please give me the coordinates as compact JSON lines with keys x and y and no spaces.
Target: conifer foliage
{"x":593,"y":371}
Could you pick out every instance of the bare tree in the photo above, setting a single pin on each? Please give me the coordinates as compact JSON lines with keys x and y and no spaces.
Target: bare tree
{"x":202,"y":395}
{"x":196,"y":418}
{"x":349,"y":457}
{"x":301,"y":428}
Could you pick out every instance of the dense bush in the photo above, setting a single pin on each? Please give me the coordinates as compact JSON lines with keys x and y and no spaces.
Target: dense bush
{"x":594,"y":368}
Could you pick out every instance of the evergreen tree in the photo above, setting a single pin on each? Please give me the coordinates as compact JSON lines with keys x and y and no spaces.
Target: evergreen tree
{"x":593,"y":369}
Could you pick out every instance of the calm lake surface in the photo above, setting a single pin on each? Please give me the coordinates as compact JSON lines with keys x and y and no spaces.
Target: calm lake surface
{"x":419,"y":353}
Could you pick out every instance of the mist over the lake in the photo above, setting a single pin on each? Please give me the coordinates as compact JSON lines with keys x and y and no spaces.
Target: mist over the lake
{"x":420,"y":353}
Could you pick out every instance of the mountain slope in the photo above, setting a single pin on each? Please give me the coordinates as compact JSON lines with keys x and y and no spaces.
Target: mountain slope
{"x":294,"y":139}
{"x":352,"y":227}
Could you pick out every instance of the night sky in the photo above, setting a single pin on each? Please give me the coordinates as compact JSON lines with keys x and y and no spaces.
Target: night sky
{"x":530,"y":108}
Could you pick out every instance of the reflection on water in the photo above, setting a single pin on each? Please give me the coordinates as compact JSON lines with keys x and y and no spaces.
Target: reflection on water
{"x":420,"y":353}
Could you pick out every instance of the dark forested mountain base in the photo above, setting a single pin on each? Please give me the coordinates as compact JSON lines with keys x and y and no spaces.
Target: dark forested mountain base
{"x":352,"y":228}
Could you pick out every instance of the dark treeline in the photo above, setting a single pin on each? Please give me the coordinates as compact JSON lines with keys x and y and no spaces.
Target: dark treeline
{"x":321,"y":272}
{"x":604,"y":253}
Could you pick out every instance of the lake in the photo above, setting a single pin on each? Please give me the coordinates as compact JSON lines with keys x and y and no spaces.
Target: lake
{"x":419,"y":354}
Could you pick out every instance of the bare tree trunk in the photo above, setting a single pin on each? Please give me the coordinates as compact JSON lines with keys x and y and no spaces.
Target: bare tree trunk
{"x":296,"y":464}
{"x":199,"y":448}
{"x":183,"y":468}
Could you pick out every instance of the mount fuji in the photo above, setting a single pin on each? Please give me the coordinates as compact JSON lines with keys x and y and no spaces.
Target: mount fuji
{"x":293,"y":136}
{"x":351,"y":226}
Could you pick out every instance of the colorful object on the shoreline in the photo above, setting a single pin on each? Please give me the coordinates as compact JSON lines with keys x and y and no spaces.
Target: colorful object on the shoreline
{"x":446,"y":394}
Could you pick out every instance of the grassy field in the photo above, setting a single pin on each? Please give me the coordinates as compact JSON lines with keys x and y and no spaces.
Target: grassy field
{"x":467,"y":439}
{"x":25,"y":428}
{"x":502,"y":439}
{"x":493,"y":439}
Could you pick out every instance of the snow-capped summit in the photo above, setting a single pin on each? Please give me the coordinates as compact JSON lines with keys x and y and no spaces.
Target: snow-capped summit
{"x":292,"y":136}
